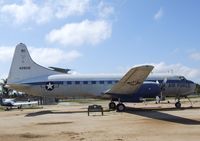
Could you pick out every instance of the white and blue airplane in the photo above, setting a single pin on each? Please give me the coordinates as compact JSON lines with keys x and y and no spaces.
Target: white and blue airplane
{"x":27,"y":76}
{"x":9,"y":103}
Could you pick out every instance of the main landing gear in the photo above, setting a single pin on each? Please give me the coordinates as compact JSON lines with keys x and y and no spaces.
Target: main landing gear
{"x":112,"y":105}
{"x":120,"y":107}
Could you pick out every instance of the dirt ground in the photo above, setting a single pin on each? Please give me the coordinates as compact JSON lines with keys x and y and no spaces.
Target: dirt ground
{"x":69,"y":121}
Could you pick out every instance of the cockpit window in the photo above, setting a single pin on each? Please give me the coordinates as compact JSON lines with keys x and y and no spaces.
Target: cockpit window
{"x":182,"y":78}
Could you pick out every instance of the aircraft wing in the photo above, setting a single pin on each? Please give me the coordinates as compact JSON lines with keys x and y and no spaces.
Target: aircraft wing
{"x":131,"y":81}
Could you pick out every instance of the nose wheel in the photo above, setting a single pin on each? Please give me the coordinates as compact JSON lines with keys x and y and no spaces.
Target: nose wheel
{"x":178,"y":105}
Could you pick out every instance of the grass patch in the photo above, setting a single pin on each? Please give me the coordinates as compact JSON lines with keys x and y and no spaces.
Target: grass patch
{"x":30,"y":135}
{"x":54,"y":123}
{"x":1,"y":108}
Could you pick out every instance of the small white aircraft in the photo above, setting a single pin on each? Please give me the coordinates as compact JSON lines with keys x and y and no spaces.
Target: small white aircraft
{"x":9,"y":103}
{"x":27,"y":76}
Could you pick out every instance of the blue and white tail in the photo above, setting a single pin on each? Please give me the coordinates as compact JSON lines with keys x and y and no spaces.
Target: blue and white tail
{"x":24,"y":68}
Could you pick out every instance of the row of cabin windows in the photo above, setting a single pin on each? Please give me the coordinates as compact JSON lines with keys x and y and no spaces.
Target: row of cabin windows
{"x":186,"y":85}
{"x":90,"y":82}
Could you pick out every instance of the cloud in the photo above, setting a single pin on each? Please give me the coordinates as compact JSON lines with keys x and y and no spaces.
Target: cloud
{"x":20,"y":13}
{"x":30,"y":11}
{"x":53,"y":56}
{"x":163,"y":68}
{"x":42,"y":12}
{"x":105,"y":10}
{"x":43,"y":56}
{"x":85,"y":32}
{"x":195,"y":56}
{"x":176,"y":69}
{"x":71,"y":7}
{"x":6,"y":53}
{"x":159,"y":14}
{"x":72,"y":55}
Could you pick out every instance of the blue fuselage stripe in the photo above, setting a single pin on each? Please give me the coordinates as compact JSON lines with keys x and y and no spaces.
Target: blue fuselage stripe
{"x":102,"y":82}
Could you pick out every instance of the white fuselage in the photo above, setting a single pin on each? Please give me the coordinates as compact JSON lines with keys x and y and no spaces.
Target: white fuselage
{"x":66,"y":85}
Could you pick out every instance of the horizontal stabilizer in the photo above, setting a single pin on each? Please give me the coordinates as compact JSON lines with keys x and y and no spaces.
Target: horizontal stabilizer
{"x":61,"y":70}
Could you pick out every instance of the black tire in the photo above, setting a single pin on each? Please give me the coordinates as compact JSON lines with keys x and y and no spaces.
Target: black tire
{"x":121,"y":107}
{"x":112,"y":106}
{"x":19,"y":107}
{"x":178,"y":105}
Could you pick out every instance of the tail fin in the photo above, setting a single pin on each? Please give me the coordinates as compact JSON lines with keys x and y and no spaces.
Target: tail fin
{"x":23,"y":67}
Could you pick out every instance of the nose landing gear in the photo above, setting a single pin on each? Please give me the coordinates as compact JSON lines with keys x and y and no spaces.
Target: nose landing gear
{"x":178,"y":105}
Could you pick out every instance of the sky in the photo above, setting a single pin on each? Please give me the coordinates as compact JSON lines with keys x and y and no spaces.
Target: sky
{"x":101,"y":36}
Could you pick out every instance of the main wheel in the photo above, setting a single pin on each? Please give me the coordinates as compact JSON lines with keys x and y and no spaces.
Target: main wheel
{"x":120,"y":107}
{"x":19,"y":107}
{"x":178,"y":105}
{"x":112,"y":106}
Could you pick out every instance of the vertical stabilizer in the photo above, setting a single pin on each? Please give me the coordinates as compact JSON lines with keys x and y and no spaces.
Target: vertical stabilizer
{"x":24,"y":68}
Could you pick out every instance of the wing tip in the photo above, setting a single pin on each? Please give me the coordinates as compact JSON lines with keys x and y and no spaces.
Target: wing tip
{"x":144,"y":66}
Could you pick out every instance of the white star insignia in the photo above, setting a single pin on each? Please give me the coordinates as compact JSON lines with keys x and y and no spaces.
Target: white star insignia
{"x":49,"y":86}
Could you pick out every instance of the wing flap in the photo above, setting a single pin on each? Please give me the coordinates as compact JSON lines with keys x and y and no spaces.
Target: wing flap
{"x":132,"y":80}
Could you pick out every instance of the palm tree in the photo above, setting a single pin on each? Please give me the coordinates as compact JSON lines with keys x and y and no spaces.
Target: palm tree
{"x":4,"y":89}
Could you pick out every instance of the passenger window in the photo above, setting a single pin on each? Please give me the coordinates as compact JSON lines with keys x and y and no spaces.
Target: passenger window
{"x":77,"y":82}
{"x":101,"y":82}
{"x":93,"y":82}
{"x":85,"y":82}
{"x":69,"y":82}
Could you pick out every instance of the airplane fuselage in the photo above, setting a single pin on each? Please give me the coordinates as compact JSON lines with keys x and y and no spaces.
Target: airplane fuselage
{"x":67,"y":85}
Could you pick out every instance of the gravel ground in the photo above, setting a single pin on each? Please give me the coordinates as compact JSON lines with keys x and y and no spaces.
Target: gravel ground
{"x":69,"y":121}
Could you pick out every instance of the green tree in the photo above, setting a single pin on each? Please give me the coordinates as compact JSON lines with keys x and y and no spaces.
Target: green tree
{"x":197,"y":90}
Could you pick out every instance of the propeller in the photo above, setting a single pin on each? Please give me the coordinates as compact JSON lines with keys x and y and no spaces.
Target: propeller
{"x":162,"y":86}
{"x":5,"y":90}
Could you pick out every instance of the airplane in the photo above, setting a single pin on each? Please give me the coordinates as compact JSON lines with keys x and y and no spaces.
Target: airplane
{"x":9,"y":103}
{"x":27,"y":76}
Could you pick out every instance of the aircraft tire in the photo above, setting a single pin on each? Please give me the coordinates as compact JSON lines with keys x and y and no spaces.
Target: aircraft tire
{"x":112,"y":106}
{"x":19,"y":107}
{"x":120,"y":107}
{"x":178,"y":105}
